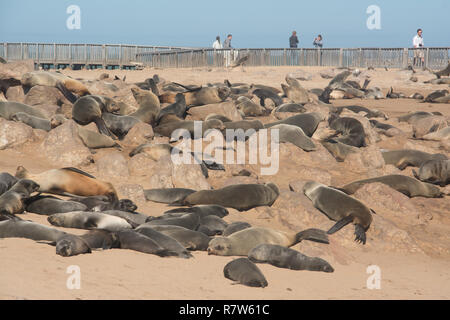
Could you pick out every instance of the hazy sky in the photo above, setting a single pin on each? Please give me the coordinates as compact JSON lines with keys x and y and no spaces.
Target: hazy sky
{"x":261,"y":23}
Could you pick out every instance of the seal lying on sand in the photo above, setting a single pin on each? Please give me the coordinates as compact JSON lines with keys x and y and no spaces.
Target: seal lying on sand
{"x":434,"y":171}
{"x":245,"y":272}
{"x":12,"y":201}
{"x":406,"y":157}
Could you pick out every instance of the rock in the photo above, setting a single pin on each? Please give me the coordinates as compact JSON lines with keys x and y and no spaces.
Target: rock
{"x":15,"y":94}
{"x":45,"y":95}
{"x":64,"y":147}
{"x":226,"y":109}
{"x":329,"y":73}
{"x":134,"y":192}
{"x":113,"y":164}
{"x":14,"y":134}
{"x":2,"y":96}
{"x":301,"y":75}
{"x":161,"y":174}
{"x":365,"y":159}
{"x":140,"y":133}
{"x":141,"y":165}
{"x":305,"y":173}
{"x":12,"y":72}
{"x":189,"y":176}
{"x":49,"y":109}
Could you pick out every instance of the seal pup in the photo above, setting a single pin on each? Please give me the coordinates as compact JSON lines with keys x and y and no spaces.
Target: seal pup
{"x":241,"y":197}
{"x":69,"y":182}
{"x":240,"y":243}
{"x":103,"y":203}
{"x":308,"y":122}
{"x":149,"y":106}
{"x":12,"y":201}
{"x":245,"y":272}
{"x":190,"y":239}
{"x":165,"y":241}
{"x":434,"y":171}
{"x":48,"y":205}
{"x":88,"y":220}
{"x":287,"y":258}
{"x":168,"y":196}
{"x":90,"y":108}
{"x":408,"y":186}
{"x":340,"y":207}
{"x":235,"y":227}
{"x":406,"y":157}
{"x":6,"y":182}
{"x":71,"y":245}
{"x":101,"y":239}
{"x":32,"y":121}
{"x":296,"y":136}
{"x":132,"y":240}
{"x":351,"y":129}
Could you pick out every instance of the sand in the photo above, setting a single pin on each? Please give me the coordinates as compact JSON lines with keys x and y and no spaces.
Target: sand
{"x":31,"y":270}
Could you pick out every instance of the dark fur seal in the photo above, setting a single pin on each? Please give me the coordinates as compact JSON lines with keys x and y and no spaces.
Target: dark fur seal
{"x":296,"y":136}
{"x":212,"y":225}
{"x":308,"y":122}
{"x":178,"y":108}
{"x":103,"y":203}
{"x":88,"y":220}
{"x":287,"y":258}
{"x":340,"y":207}
{"x":71,"y":245}
{"x":149,"y":106}
{"x":48,"y":205}
{"x":370,"y":113}
{"x":101,"y":239}
{"x":8,"y":109}
{"x":12,"y":201}
{"x":264,"y":94}
{"x":6,"y":182}
{"x":351,"y":129}
{"x":404,"y":158}
{"x":240,"y":197}
{"x":191,"y":240}
{"x":245,"y":272}
{"x":90,"y":108}
{"x":136,"y":241}
{"x":240,"y":243}
{"x":434,"y":171}
{"x":119,"y":124}
{"x":202,"y":210}
{"x":188,"y":220}
{"x":235,"y":227}
{"x":404,"y":184}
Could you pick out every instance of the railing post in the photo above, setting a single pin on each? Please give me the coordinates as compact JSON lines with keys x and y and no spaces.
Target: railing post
{"x":21,"y":50}
{"x":37,"y":55}
{"x":318,"y":57}
{"x":54,"y":55}
{"x":120,"y":56}
{"x":284,"y":57}
{"x":70,"y":56}
{"x":192,"y":58}
{"x":104,"y":56}
{"x":85,"y":56}
{"x":405,"y":57}
{"x":427,"y":57}
{"x":341,"y":57}
{"x":302,"y":55}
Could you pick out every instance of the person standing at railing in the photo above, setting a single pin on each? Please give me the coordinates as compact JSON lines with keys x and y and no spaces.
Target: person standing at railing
{"x":217,"y":44}
{"x":419,"y":56}
{"x":293,"y":40}
{"x":229,"y":52}
{"x":318,"y":44}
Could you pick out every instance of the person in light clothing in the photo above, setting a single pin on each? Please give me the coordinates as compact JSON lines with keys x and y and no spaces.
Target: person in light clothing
{"x":419,"y":56}
{"x":229,"y":53}
{"x":217,"y":44}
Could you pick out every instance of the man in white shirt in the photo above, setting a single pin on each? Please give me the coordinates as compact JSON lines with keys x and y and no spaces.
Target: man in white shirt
{"x":419,"y":57}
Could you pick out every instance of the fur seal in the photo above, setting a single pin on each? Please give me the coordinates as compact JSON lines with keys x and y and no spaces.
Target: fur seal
{"x":133,"y":218}
{"x":88,"y":220}
{"x":370,"y":113}
{"x":290,"y":107}
{"x":385,"y":128}
{"x":90,"y":108}
{"x":308,"y":122}
{"x":164,"y":241}
{"x":32,"y":121}
{"x":149,"y":106}
{"x":54,"y":79}
{"x":435,"y":95}
{"x":340,"y":207}
{"x":217,"y":117}
{"x":434,"y":171}
{"x":351,"y":129}
{"x":408,"y":186}
{"x":12,"y":201}
{"x":248,"y":107}
{"x":202,"y":210}
{"x":206,"y":95}
{"x":178,"y":108}
{"x":241,"y":197}
{"x":154,"y":151}
{"x":235,"y":227}
{"x":287,"y":258}
{"x":403,"y":158}
{"x":264,"y":94}
{"x":69,"y":181}
{"x":71,"y":245}
{"x":132,"y":240}
{"x":119,"y":124}
{"x":95,"y":140}
{"x":414,"y":116}
{"x":29,"y":230}
{"x":296,"y":136}
{"x":338,"y":150}
{"x":245,"y":272}
{"x":48,"y":205}
{"x":8,"y":109}
{"x":240,"y":243}
{"x":103,"y":203}
{"x":294,"y":91}
{"x":440,"y":135}
{"x":6,"y":182}
{"x":190,"y":239}
{"x":444,"y":99}
{"x":212,"y":225}
{"x":101,"y":239}
{"x":167,"y":129}
{"x":189,"y":221}
{"x":243,"y":125}
{"x":167,"y":195}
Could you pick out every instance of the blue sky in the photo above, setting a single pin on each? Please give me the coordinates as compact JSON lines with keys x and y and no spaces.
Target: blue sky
{"x":262,"y":23}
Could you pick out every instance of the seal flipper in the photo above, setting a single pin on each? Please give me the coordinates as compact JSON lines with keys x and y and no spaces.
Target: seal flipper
{"x":69,"y":95}
{"x":340,"y":224}
{"x":103,"y":129}
{"x":79,"y":171}
{"x":315,"y":235}
{"x":360,"y":234}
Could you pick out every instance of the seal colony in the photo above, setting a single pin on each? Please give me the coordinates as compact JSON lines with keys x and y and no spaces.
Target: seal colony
{"x":305,"y":119}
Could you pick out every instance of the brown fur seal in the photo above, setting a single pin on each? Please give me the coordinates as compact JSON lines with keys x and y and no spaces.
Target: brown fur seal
{"x":39,"y":123}
{"x":178,"y":108}
{"x":370,"y":113}
{"x":404,"y":158}
{"x":101,"y":239}
{"x":341,"y":208}
{"x":167,"y":129}
{"x":8,"y":109}
{"x":103,"y":203}
{"x":88,"y":220}
{"x":202,"y":210}
{"x":294,"y":91}
{"x":404,"y":184}
{"x":149,"y":106}
{"x":264,"y":94}
{"x":338,"y":150}
{"x":240,"y":197}
{"x":119,"y":124}
{"x":240,"y":243}
{"x":53,"y":79}
{"x":190,"y":239}
{"x":95,"y":140}
{"x":69,"y":181}
{"x":168,"y":196}
{"x":287,"y":258}
{"x":248,"y":107}
{"x":6,"y":182}
{"x":90,"y":109}
{"x":235,"y":227}
{"x":351,"y":129}
{"x":308,"y":122}
{"x":48,"y":205}
{"x":12,"y":201}
{"x":133,"y":240}
{"x":245,"y":272}
{"x":296,"y":136}
{"x":434,"y":171}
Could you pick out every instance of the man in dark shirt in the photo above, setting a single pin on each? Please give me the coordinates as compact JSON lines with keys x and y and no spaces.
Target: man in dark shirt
{"x":293,"y":40}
